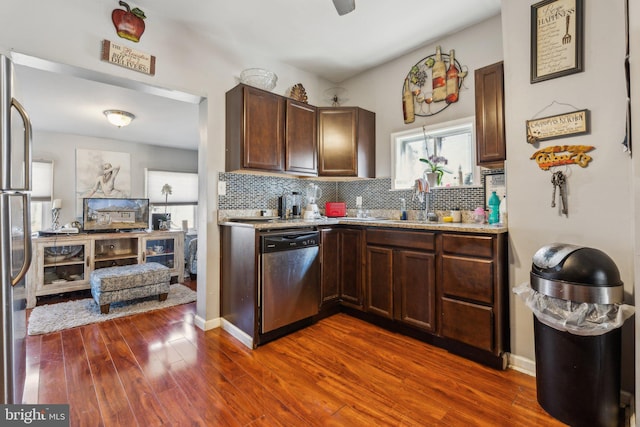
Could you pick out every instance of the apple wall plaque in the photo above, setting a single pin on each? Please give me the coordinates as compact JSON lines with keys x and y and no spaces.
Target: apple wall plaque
{"x":129,"y":22}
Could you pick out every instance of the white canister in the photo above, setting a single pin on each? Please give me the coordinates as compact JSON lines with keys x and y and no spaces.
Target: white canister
{"x":456,"y":214}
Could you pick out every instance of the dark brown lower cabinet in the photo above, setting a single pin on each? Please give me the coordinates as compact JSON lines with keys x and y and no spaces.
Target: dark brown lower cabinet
{"x":415,"y":282}
{"x":473,"y":291}
{"x":448,"y":288}
{"x":341,"y":277}
{"x":351,"y":267}
{"x":400,"y":277}
{"x":379,"y":281}
{"x":468,"y":323}
{"x":330,"y":266}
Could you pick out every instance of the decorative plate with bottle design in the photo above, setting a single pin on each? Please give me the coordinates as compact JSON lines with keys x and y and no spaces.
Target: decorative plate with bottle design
{"x":298,"y":93}
{"x":419,"y":85}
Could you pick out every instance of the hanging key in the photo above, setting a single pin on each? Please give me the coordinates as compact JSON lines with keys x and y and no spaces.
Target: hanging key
{"x":562,"y":181}
{"x":554,"y":181}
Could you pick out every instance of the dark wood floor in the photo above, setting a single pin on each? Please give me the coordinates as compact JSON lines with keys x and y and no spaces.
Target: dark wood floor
{"x":157,"y":368}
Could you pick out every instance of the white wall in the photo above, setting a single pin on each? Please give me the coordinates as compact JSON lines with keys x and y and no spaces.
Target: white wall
{"x":380,"y":89}
{"x":186,"y":61}
{"x":61,"y":148}
{"x":600,"y":195}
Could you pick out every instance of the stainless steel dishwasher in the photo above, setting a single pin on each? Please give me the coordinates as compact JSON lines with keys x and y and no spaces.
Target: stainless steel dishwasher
{"x":289,"y":277}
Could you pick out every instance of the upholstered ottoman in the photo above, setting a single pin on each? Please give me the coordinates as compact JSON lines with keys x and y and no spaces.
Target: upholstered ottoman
{"x":127,"y":282}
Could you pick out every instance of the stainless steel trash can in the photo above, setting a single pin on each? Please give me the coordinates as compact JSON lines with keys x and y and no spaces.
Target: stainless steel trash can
{"x":578,"y":376}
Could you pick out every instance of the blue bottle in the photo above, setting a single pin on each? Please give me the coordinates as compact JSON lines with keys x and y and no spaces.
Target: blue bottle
{"x":494,"y":208}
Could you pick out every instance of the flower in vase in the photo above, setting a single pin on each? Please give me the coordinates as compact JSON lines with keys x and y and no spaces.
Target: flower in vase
{"x":436,"y":165}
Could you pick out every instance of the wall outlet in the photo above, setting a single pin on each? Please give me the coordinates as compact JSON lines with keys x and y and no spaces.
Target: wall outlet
{"x":358,"y":200}
{"x":222,"y":188}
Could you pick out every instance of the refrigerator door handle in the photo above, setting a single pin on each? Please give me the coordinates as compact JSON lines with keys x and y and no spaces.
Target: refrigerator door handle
{"x":26,"y":222}
{"x":27,"y":145}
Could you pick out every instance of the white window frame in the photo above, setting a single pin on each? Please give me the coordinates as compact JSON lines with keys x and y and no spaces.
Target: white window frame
{"x":156,"y":205}
{"x":435,"y":129}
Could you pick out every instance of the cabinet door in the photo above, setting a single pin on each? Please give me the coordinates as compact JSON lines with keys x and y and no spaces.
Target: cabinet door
{"x":330,"y":272}
{"x":337,"y":141}
{"x":379,"y":281}
{"x":366,"y":144}
{"x":490,"y":139}
{"x":301,"y":143}
{"x":62,"y":267}
{"x":264,"y":130}
{"x":254,"y":129}
{"x":351,"y":267}
{"x":163,"y":251}
{"x":414,"y":278}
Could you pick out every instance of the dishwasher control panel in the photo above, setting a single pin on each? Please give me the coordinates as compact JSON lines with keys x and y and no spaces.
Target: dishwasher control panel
{"x":288,"y":241}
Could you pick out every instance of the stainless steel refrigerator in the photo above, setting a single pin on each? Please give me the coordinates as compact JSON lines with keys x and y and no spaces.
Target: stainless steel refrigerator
{"x":15,"y":233}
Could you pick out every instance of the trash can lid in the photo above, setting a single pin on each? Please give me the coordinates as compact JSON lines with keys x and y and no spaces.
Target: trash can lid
{"x":576,"y":273}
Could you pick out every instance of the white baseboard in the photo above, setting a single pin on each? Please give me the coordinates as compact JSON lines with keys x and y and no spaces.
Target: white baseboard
{"x":206,"y":325}
{"x":237,"y":333}
{"x":522,"y":364}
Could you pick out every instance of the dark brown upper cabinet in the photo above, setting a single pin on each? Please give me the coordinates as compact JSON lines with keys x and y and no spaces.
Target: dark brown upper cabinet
{"x":301,"y":138}
{"x":254,"y":130}
{"x":490,"y":135}
{"x":346,"y":142}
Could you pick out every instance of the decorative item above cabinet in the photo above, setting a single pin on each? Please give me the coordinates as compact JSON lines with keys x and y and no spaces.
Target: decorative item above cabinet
{"x":346,"y":142}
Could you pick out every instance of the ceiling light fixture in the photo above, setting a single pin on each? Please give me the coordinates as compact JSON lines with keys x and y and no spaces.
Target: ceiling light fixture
{"x":118,"y":117}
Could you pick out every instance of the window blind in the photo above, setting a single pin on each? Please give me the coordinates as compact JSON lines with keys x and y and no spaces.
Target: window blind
{"x":184,"y":187}
{"x":42,"y":181}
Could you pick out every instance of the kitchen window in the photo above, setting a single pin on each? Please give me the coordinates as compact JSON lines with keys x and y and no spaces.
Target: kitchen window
{"x":41,"y":194}
{"x":182,"y":203}
{"x":452,"y":140}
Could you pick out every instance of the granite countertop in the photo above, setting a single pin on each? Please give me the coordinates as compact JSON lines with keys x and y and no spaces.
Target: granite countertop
{"x":270,"y":224}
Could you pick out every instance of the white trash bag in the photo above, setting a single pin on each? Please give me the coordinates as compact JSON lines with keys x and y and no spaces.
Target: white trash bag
{"x":578,"y":318}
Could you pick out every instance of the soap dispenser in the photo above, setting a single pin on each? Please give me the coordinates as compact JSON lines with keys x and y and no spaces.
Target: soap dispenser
{"x":403,"y":209}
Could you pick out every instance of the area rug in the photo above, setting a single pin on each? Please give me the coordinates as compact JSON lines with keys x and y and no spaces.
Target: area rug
{"x":65,"y":315}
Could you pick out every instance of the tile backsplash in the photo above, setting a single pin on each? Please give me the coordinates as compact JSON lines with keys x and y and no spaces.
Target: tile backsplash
{"x":246,"y":191}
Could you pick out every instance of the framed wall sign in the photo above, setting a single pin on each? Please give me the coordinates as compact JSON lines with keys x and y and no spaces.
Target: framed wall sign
{"x":557,"y":38}
{"x":559,"y":126}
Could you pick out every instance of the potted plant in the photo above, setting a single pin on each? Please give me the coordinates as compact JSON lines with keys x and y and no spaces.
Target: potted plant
{"x":166,"y":190}
{"x":436,"y":166}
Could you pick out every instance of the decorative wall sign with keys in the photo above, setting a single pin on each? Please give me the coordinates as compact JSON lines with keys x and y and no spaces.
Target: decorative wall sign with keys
{"x":559,"y":155}
{"x":562,"y":155}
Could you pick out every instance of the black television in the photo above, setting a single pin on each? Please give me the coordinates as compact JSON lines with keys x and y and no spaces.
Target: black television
{"x":100,"y":214}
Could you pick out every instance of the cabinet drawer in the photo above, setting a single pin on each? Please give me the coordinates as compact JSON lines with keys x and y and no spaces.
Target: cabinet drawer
{"x":476,"y":246}
{"x":468,"y":323}
{"x":403,"y":239}
{"x":468,"y":278}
